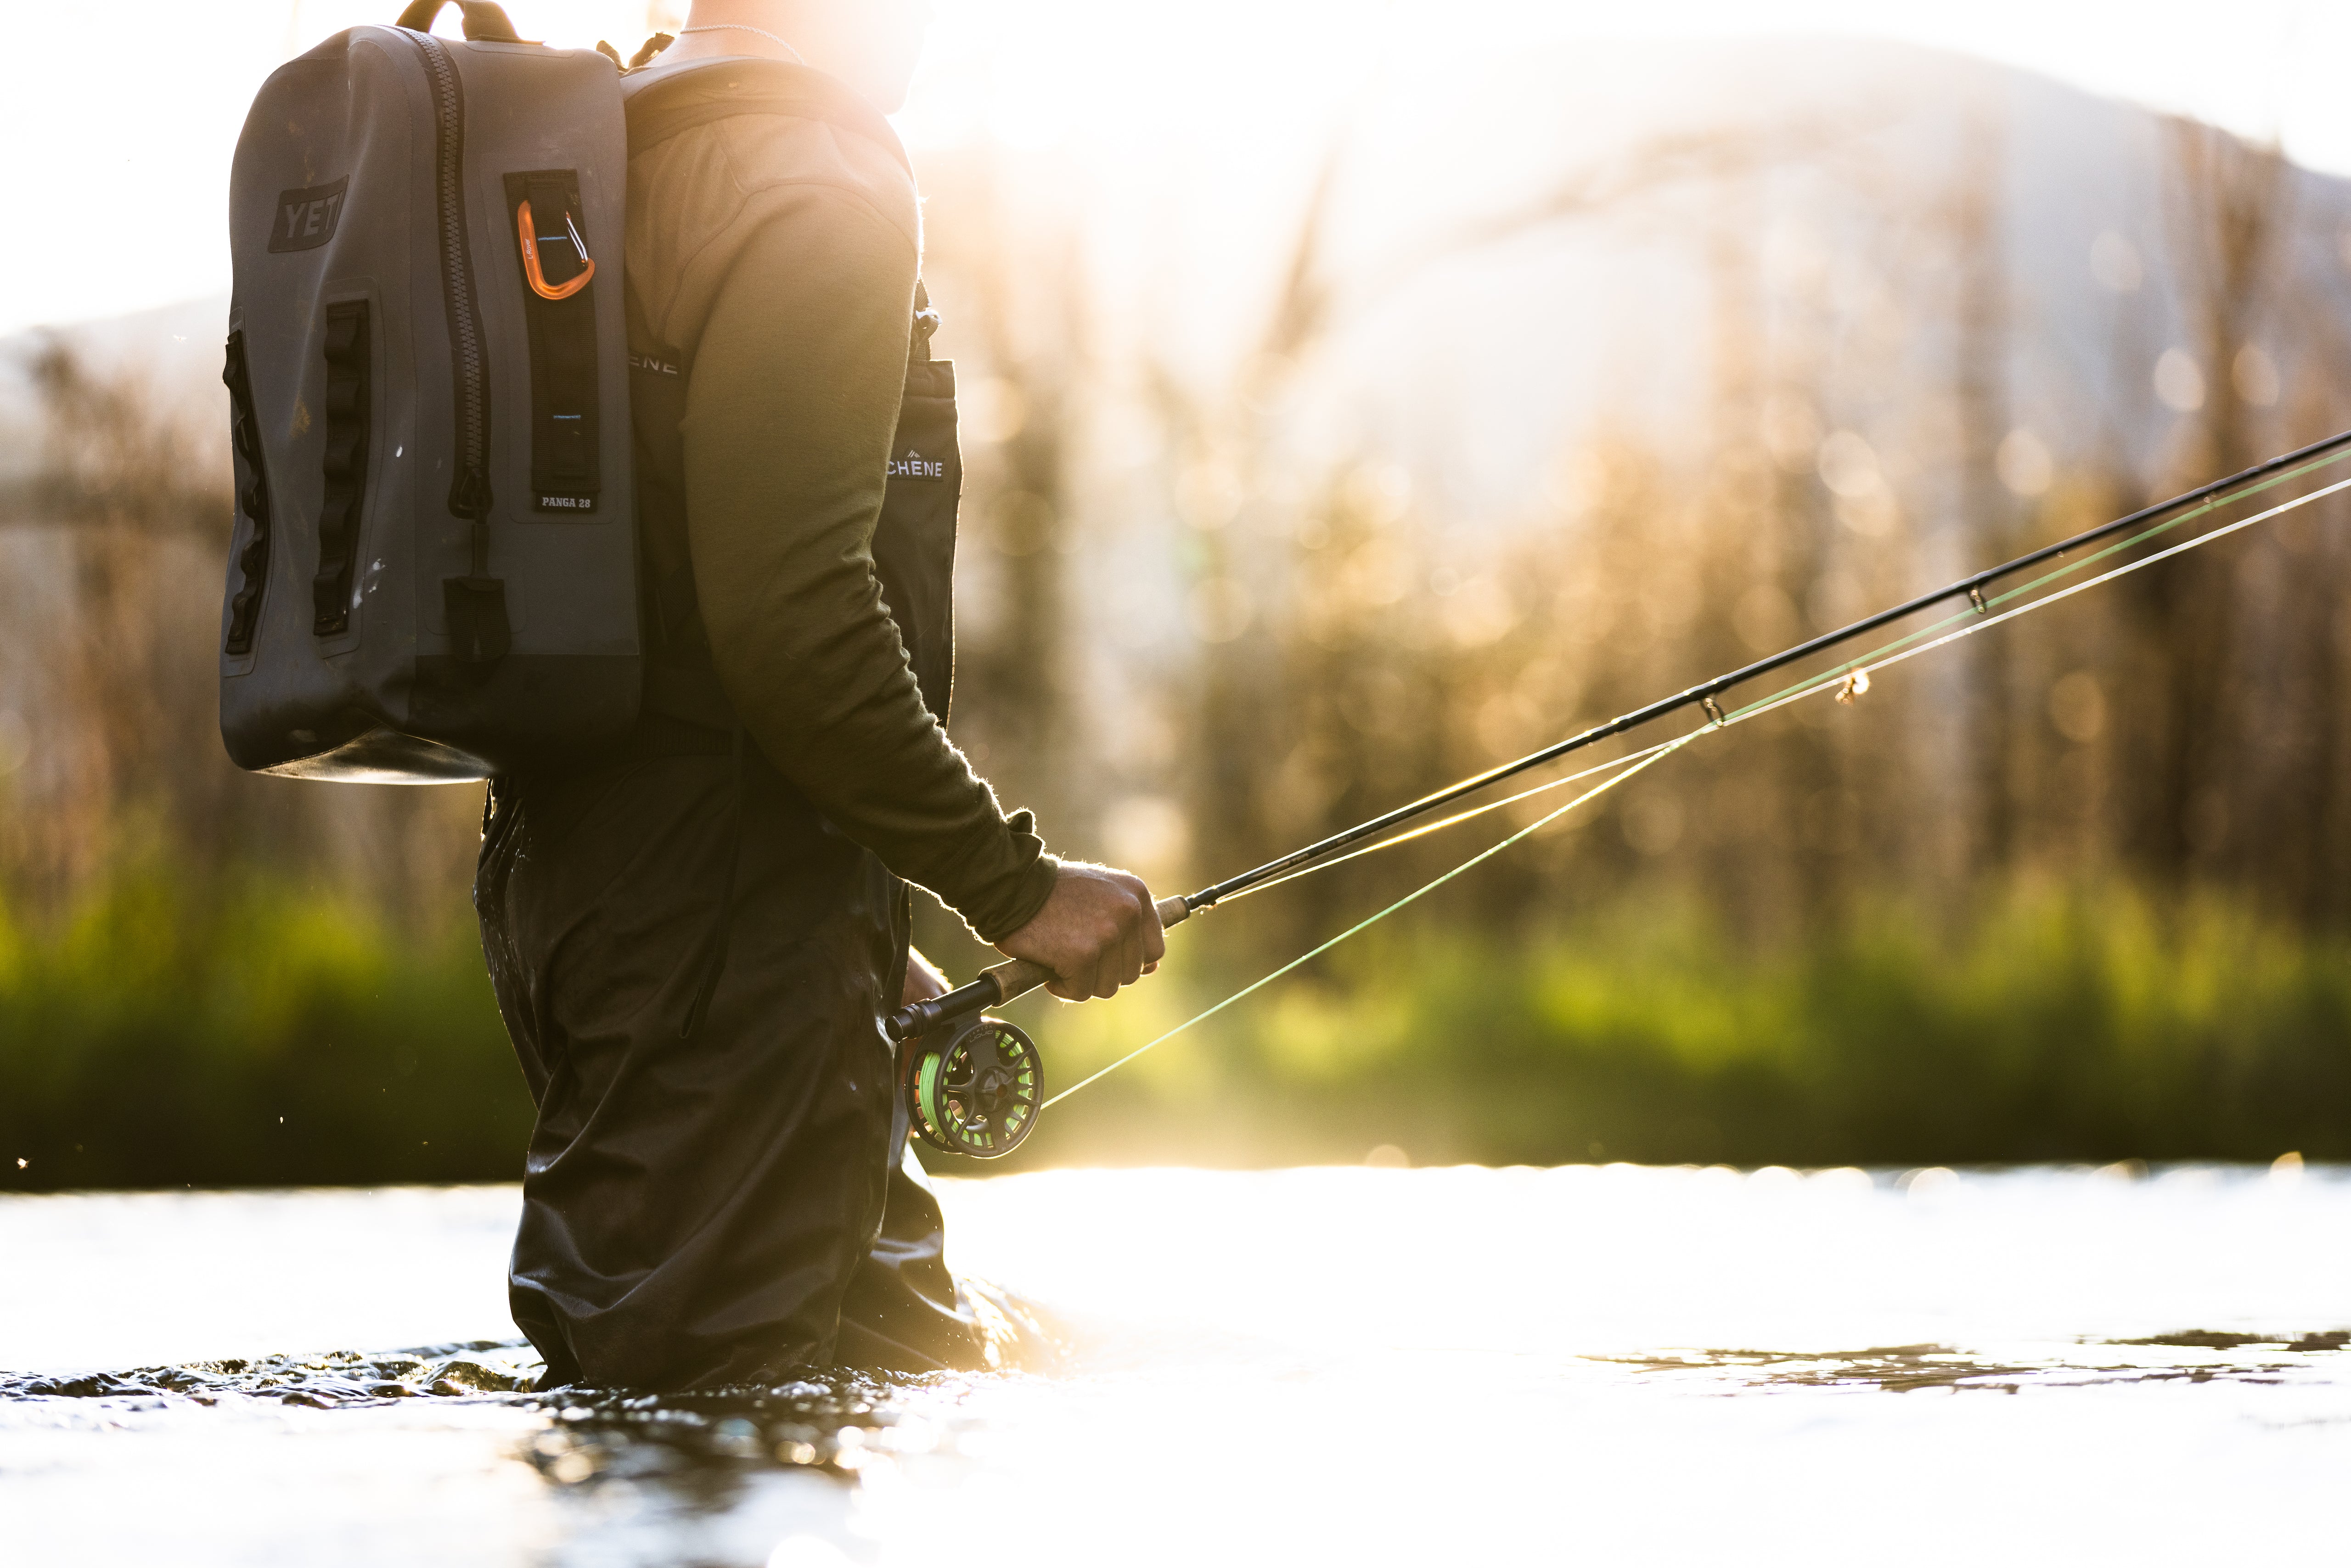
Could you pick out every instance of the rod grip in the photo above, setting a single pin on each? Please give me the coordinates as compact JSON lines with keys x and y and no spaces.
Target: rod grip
{"x":1018,"y":977}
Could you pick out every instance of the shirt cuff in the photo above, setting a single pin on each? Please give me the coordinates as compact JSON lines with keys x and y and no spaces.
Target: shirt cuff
{"x":1011,"y":884}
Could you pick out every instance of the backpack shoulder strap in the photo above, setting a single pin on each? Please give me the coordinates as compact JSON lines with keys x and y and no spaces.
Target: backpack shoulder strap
{"x":669,"y":104}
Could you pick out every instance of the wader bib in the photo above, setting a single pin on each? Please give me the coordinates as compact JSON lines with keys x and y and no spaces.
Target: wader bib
{"x":692,"y":961}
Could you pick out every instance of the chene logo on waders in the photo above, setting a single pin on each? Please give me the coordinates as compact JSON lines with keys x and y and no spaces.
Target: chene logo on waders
{"x":306,"y":218}
{"x":914,"y":466}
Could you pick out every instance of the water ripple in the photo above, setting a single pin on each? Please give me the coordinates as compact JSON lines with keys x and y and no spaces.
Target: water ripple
{"x":1907,"y":1368}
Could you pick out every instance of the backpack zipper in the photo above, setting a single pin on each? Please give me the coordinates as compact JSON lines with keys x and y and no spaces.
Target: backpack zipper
{"x":469,"y":492}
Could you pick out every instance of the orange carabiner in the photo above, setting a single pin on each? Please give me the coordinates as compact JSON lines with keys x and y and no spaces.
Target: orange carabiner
{"x":530,"y":270}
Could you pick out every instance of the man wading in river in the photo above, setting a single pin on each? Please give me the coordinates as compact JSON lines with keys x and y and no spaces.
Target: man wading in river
{"x":690,"y":940}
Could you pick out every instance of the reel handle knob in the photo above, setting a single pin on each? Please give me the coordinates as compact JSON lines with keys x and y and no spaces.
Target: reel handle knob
{"x":998,"y":983}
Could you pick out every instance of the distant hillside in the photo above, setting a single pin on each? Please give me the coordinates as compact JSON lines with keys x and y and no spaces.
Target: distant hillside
{"x":1507,"y":265}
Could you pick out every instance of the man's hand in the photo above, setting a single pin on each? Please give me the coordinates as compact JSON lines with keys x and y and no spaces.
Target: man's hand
{"x":1096,"y":933}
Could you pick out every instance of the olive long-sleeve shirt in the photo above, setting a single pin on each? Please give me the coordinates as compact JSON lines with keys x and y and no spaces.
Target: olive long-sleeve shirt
{"x":779,"y":255}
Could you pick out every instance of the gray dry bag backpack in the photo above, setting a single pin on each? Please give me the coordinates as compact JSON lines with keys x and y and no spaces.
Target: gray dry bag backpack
{"x":434,"y":571}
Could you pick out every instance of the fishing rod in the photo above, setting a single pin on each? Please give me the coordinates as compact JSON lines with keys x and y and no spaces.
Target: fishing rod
{"x":976,"y":1087}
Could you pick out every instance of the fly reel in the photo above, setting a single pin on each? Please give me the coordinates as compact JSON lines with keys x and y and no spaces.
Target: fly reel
{"x":974,"y":1088}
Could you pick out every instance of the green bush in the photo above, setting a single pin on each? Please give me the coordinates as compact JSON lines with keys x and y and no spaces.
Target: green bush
{"x":256,"y":1032}
{"x":173,"y":1033}
{"x":2061,"y":1023}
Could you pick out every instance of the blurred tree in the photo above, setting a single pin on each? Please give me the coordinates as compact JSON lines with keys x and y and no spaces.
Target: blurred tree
{"x":1006,"y":280}
{"x":2229,"y":203}
{"x":127,"y":513}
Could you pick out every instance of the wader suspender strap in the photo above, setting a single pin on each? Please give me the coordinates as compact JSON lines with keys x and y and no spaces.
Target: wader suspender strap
{"x":679,"y":682}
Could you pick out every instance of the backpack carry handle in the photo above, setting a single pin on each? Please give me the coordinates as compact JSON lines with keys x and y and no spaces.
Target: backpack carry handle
{"x":485,"y":23}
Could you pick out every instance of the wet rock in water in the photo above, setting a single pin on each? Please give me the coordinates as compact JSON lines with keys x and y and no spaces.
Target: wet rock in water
{"x":1901,"y":1369}
{"x":2215,"y":1339}
{"x":79,"y":1385}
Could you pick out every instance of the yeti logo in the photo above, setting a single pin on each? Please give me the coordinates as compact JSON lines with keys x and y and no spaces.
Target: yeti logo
{"x":914,"y":466}
{"x":306,"y":219}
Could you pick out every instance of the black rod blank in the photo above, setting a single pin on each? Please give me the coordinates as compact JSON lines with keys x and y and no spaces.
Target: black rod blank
{"x":1703,"y":695}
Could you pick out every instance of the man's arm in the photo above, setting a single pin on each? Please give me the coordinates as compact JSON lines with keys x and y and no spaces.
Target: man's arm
{"x":793,"y":404}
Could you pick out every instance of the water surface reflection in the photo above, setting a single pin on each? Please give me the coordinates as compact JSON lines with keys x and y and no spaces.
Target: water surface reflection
{"x":1385,"y":1363}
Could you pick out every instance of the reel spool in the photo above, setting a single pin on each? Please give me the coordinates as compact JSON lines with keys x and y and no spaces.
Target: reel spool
{"x":974,"y":1088}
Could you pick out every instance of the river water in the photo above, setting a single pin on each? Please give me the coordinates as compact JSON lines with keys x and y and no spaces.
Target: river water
{"x":1608,"y":1364}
